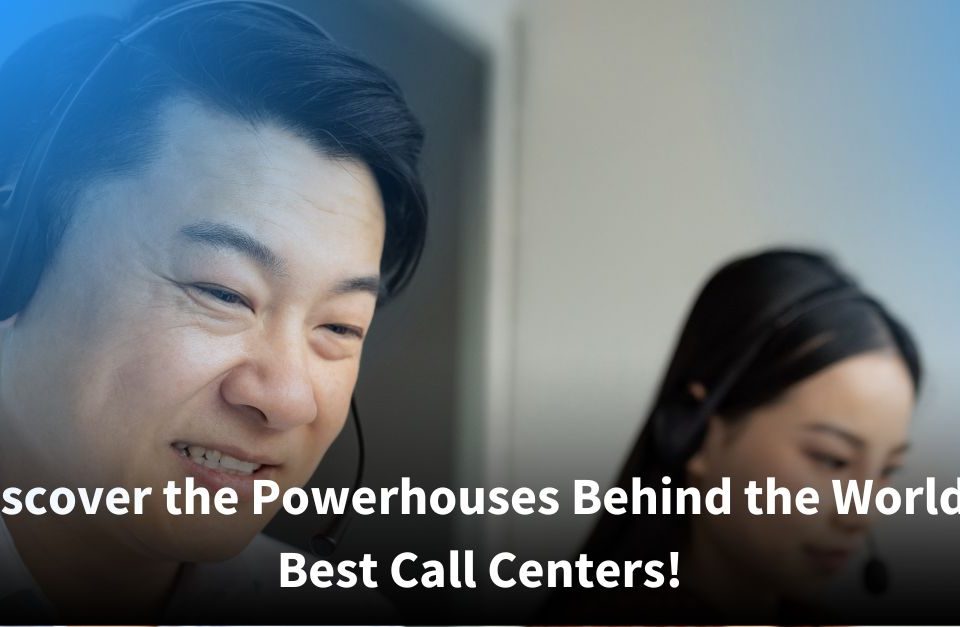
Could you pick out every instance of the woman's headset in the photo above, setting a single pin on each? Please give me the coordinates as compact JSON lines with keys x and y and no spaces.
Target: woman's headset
{"x":679,"y":428}
{"x":22,"y":240}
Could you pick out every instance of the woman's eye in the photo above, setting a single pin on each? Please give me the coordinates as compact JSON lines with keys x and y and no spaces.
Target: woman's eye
{"x":222,"y":294}
{"x":830,"y":461}
{"x":889,"y":471}
{"x":344,"y":330}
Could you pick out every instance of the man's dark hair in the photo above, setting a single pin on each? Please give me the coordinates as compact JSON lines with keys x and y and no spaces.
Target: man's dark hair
{"x":257,"y":64}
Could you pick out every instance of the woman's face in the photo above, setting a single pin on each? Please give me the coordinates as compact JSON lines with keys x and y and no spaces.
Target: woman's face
{"x":847,"y":422}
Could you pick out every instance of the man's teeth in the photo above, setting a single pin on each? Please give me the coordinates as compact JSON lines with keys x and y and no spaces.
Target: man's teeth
{"x":212,"y":458}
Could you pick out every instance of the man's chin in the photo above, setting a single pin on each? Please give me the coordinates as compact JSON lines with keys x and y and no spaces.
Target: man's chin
{"x":212,"y":552}
{"x":203,"y":541}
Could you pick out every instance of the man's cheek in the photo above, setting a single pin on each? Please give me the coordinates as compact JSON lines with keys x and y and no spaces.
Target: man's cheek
{"x":305,"y":464}
{"x":166,"y":372}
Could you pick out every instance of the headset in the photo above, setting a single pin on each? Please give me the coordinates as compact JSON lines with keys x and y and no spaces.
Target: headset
{"x":325,"y":542}
{"x":679,"y":429}
{"x":21,"y":234}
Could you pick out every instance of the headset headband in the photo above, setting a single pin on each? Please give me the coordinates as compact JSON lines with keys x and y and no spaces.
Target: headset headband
{"x":16,"y":230}
{"x":679,"y":432}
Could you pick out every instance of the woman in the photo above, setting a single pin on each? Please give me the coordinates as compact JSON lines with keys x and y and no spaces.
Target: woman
{"x":784,"y":369}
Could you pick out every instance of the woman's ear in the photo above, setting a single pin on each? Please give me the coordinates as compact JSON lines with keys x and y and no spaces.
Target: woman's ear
{"x":697,"y":391}
{"x":703,"y":462}
{"x":696,"y":465}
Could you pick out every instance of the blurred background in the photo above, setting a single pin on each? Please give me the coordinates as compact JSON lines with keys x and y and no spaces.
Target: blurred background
{"x":588,"y":165}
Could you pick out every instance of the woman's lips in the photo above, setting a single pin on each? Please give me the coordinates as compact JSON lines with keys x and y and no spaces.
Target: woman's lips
{"x":827,"y":560}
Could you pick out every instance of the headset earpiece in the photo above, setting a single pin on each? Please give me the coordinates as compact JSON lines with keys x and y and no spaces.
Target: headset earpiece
{"x":678,"y":428}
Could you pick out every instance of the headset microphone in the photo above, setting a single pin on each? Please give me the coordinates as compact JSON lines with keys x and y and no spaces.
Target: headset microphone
{"x":325,"y":542}
{"x":876,"y":577}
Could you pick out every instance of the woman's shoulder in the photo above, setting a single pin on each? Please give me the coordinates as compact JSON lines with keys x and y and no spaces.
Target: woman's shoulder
{"x":624,"y":606}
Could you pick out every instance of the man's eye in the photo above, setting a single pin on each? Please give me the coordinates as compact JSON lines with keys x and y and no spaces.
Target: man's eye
{"x":222,"y":294}
{"x":829,"y":461}
{"x":344,"y":330}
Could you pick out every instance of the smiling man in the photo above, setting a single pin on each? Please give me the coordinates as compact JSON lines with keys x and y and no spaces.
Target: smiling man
{"x":227,"y":202}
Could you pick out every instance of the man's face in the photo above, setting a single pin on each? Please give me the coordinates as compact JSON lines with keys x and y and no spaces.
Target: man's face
{"x":210,"y":307}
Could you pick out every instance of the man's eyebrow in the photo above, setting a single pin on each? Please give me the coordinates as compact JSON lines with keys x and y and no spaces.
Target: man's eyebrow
{"x":369,"y":284}
{"x":223,"y":235}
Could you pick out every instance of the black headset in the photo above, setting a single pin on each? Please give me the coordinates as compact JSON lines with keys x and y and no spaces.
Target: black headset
{"x":22,"y":244}
{"x":679,"y":428}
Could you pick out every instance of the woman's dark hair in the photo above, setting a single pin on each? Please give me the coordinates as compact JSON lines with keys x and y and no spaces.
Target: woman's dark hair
{"x":739,"y":301}
{"x":257,"y":64}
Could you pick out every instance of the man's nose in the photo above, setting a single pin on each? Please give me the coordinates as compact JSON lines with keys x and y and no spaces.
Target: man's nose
{"x":275,"y":381}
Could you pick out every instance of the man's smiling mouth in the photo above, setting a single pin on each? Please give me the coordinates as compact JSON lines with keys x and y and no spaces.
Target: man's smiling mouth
{"x":216,"y":460}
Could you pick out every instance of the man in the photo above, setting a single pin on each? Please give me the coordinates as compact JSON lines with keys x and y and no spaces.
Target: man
{"x":223,"y":208}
